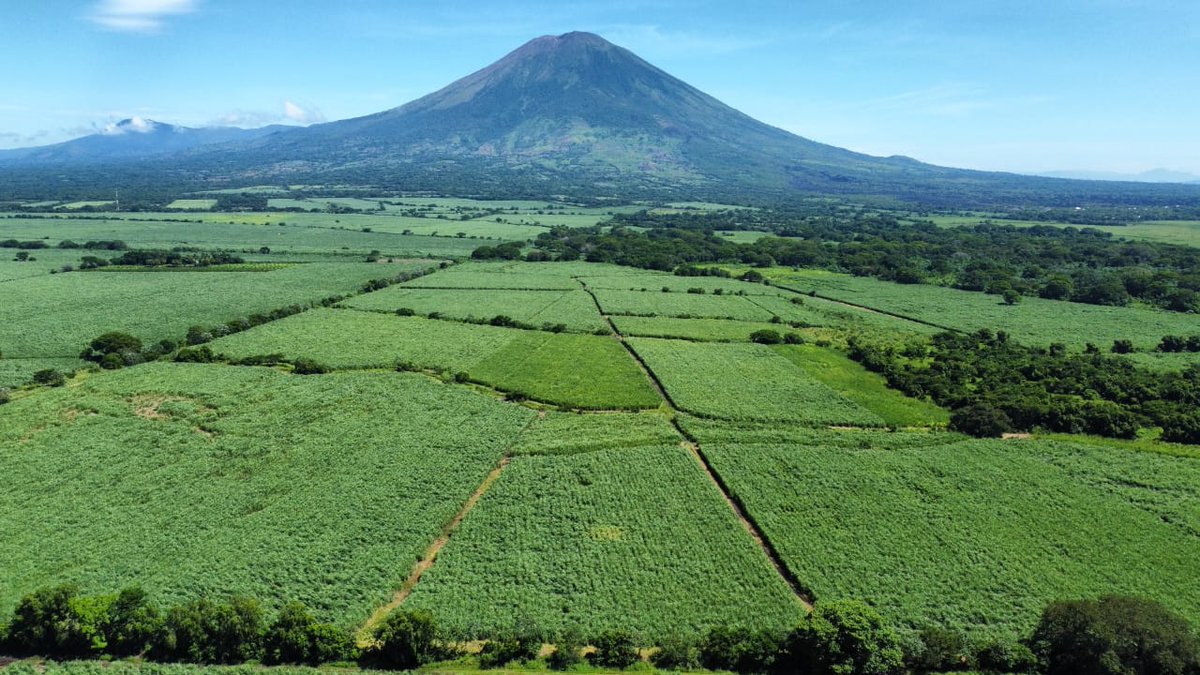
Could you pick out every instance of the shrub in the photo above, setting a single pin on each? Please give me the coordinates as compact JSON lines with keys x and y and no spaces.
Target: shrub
{"x":49,"y":377}
{"x":1006,"y":657}
{"x":980,"y":420}
{"x":766,"y":337}
{"x":405,"y":640}
{"x":503,"y":320}
{"x":614,"y":649}
{"x":405,"y":311}
{"x":5,"y":395}
{"x":308,"y":367}
{"x":845,"y":637}
{"x":201,"y":354}
{"x":793,"y":339}
{"x":1114,"y":635}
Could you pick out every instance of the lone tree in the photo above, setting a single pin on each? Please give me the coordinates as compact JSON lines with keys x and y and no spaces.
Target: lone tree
{"x":980,"y":420}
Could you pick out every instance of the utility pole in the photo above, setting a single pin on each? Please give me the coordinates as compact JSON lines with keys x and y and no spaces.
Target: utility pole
{"x":118,"y":199}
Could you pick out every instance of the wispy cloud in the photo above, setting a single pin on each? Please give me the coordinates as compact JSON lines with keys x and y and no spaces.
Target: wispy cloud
{"x":949,"y":100}
{"x":653,"y":39}
{"x":139,"y":16}
{"x":295,"y":113}
{"x":291,"y":112}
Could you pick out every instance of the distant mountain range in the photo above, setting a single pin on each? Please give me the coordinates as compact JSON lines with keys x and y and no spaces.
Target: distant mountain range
{"x":570,"y":114}
{"x":1151,"y":176}
{"x":134,"y":138}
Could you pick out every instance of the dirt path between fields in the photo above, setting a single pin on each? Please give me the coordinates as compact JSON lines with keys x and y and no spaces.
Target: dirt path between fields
{"x":693,"y":447}
{"x":431,"y":553}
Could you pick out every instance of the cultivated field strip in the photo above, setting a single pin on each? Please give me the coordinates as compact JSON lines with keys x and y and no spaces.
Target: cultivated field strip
{"x":973,"y":535}
{"x":246,"y":467}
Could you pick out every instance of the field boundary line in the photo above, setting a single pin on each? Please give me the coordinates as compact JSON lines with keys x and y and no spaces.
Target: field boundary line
{"x":894,"y":315}
{"x":764,"y":544}
{"x":429,"y":557}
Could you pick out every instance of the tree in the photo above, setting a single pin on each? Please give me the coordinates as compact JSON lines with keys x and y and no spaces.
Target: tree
{"x":296,"y":637}
{"x":1122,"y":347}
{"x":132,"y":623}
{"x":202,"y":631}
{"x":1115,"y":635}
{"x":845,"y":637}
{"x":113,"y":350}
{"x":676,"y":652}
{"x":980,"y":420}
{"x":54,"y":622}
{"x":567,"y":650}
{"x":406,"y":640}
{"x":1011,"y":297}
{"x":614,"y":649}
{"x":308,"y":367}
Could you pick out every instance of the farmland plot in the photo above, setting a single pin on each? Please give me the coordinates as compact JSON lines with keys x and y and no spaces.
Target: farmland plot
{"x":973,"y":535}
{"x":707,"y":330}
{"x":160,"y":304}
{"x":745,"y":382}
{"x":573,"y":308}
{"x":598,"y":541}
{"x":684,"y":305}
{"x":585,"y":371}
{"x":208,"y":480}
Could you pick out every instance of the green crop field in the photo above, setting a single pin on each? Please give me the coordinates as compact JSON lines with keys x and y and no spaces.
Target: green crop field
{"x":972,"y":535}
{"x":1183,"y":232}
{"x":654,"y":302}
{"x":15,"y":372}
{"x":504,"y":275}
{"x":159,"y":305}
{"x":714,"y":330}
{"x":573,"y":308}
{"x":44,"y":261}
{"x":1034,"y":321}
{"x":745,"y":382}
{"x":592,"y":540}
{"x":216,"y":230}
{"x":584,"y":371}
{"x":192,"y":204}
{"x":239,"y":480}
{"x":867,"y":389}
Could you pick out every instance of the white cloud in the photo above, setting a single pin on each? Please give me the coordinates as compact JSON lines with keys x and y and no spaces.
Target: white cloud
{"x":136,"y":125}
{"x":301,"y":115}
{"x":139,"y":16}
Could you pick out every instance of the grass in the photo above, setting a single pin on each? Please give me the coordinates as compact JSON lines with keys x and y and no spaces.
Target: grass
{"x":867,"y":389}
{"x":593,"y":541}
{"x":158,"y":305}
{"x":584,"y":371}
{"x":745,"y":382}
{"x":972,"y":535}
{"x":209,"y":480}
{"x":16,"y":372}
{"x":48,"y":260}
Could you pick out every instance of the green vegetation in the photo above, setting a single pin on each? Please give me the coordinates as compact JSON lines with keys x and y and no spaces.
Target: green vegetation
{"x":629,"y":554}
{"x":160,"y":305}
{"x":863,"y":387}
{"x":714,"y":330}
{"x":573,"y":309}
{"x":974,"y":536}
{"x":654,"y":302}
{"x":245,"y":466}
{"x":584,"y":371}
{"x":745,"y":382}
{"x":192,"y":204}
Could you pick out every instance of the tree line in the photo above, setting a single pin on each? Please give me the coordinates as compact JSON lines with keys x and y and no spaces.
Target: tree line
{"x":1059,"y":263}
{"x":1108,"y":635}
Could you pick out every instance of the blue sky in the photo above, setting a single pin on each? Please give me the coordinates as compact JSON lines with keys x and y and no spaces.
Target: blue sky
{"x":1017,"y":85}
